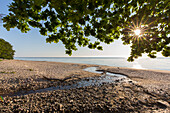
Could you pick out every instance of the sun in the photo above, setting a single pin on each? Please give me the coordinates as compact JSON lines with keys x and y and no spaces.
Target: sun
{"x":137,"y":32}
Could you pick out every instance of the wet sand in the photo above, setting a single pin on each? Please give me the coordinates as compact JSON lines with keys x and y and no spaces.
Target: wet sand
{"x":151,"y":79}
{"x":148,"y":90}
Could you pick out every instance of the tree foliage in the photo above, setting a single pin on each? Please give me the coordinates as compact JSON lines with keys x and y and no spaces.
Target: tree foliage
{"x":6,"y":51}
{"x":75,"y":21}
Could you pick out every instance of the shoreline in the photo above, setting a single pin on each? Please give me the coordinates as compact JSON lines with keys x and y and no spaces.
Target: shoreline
{"x":96,"y":65}
{"x":106,"y":64}
{"x":18,"y":75}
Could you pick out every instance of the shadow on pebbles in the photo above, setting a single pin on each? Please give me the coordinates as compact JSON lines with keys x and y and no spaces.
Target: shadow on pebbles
{"x":108,"y":97}
{"x":120,"y":96}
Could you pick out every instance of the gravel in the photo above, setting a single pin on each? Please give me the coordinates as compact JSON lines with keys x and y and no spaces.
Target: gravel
{"x":127,"y":96}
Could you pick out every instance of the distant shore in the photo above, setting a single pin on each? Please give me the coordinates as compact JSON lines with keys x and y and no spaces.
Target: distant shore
{"x":17,"y":75}
{"x":160,"y":63}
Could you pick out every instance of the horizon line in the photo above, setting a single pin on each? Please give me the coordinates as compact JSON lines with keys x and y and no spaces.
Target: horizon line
{"x":70,"y":56}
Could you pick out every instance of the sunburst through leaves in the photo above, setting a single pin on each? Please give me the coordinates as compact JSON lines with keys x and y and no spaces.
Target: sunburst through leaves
{"x":137,"y":31}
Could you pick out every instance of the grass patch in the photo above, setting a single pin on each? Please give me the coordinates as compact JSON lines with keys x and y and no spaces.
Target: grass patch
{"x":4,"y":72}
{"x":1,"y":60}
{"x":12,"y":72}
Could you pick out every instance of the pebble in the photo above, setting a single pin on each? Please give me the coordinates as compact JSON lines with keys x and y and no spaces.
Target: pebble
{"x":119,"y":97}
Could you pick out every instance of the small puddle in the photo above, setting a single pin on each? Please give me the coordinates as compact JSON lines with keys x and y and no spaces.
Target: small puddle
{"x":84,"y":82}
{"x":93,"y":70}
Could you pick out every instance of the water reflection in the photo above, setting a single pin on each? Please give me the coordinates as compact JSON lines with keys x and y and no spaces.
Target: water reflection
{"x":84,"y":82}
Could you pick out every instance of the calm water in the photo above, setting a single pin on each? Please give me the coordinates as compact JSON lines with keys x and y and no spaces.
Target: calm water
{"x":84,"y":82}
{"x":144,"y":63}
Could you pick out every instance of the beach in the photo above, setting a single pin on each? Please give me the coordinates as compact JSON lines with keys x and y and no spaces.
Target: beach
{"x":146,"y":91}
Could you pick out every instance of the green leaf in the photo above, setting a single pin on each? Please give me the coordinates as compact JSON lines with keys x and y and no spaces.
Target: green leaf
{"x":103,"y":20}
{"x":100,"y":48}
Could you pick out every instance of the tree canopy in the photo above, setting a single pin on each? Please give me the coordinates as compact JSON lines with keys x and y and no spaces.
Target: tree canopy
{"x":73,"y":22}
{"x":6,"y":51}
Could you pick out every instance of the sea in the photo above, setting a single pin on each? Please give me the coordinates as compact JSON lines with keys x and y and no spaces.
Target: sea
{"x":160,"y":63}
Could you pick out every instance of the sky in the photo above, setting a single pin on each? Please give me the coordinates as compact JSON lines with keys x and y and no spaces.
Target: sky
{"x":32,"y":44}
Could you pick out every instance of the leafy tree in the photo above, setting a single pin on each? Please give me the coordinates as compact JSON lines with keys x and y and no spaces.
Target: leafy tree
{"x":75,"y":21}
{"x":6,"y":51}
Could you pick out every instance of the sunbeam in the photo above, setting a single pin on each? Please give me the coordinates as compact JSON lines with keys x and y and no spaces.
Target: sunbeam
{"x":137,"y":31}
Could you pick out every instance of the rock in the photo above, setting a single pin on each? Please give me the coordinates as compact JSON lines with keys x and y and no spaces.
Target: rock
{"x":61,"y":107}
{"x":71,"y":101}
{"x":117,"y":80}
{"x":163,"y":104}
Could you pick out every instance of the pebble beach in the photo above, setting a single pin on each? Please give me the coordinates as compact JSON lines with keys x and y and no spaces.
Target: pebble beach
{"x":146,"y":90}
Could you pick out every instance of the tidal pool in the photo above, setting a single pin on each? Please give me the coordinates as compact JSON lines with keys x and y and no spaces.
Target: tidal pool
{"x":107,"y":77}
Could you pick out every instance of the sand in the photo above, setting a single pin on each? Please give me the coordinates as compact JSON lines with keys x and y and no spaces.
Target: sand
{"x":148,"y":90}
{"x":151,"y":79}
{"x":16,"y":75}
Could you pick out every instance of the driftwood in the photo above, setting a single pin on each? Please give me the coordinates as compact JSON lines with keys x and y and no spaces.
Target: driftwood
{"x":104,"y":72}
{"x":61,"y":80}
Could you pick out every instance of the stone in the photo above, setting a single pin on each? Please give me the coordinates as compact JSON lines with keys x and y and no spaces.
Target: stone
{"x":163,"y":103}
